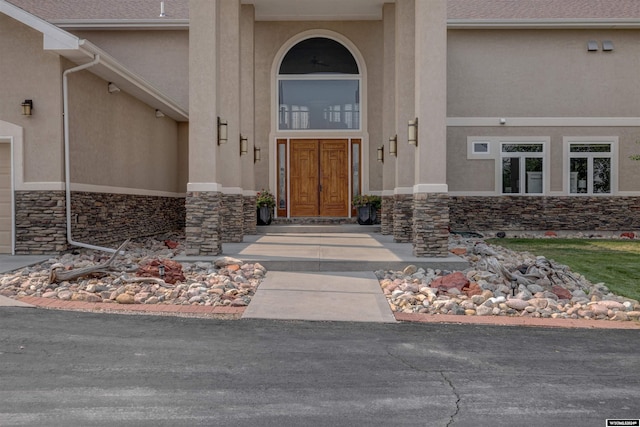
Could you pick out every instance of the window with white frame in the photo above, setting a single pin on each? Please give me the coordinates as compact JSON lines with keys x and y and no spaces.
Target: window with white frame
{"x":591,"y":166}
{"x":522,"y":167}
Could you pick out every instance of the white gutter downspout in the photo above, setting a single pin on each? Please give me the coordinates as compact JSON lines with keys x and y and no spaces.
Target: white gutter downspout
{"x":67,"y":168}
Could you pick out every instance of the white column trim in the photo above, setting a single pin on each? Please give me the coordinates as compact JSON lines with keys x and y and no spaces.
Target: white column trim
{"x":430,"y":188}
{"x":204,"y":186}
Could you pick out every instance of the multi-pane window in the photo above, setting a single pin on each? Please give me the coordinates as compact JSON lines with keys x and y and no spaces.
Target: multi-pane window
{"x":590,"y":168}
{"x":319,"y":87}
{"x":522,"y":168}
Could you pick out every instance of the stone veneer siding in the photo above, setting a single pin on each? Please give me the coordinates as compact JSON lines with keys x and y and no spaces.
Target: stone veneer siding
{"x":250,"y":215}
{"x":430,"y":225}
{"x":232,"y":214}
{"x":98,"y":219}
{"x":403,"y":218}
{"x":106,"y":218}
{"x":605,"y":213}
{"x":386,"y":215}
{"x":203,"y":223}
{"x":41,"y":222}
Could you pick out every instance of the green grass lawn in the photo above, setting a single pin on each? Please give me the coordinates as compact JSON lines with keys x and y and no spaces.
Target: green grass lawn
{"x":614,"y":262}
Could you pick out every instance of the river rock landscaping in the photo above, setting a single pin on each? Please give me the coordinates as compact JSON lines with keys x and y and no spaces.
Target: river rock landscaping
{"x":144,"y":274}
{"x":501,"y":282}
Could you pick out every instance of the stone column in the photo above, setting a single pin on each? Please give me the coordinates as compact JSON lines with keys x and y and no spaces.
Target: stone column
{"x":431,"y":209}
{"x":247,"y":115}
{"x":203,"y":202}
{"x":404,"y":111}
{"x":389,"y":119}
{"x":229,"y":159}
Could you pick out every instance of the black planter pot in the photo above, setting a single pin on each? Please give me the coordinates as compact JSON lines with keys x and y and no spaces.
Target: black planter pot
{"x":367,"y":215}
{"x":264,"y":215}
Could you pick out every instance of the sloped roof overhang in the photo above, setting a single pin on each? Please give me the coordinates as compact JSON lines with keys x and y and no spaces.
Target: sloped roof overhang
{"x":544,"y":23}
{"x":80,"y":51}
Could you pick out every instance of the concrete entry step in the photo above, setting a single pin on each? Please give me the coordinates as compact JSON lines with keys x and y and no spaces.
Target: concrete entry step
{"x":317,"y":228}
{"x":306,"y":252}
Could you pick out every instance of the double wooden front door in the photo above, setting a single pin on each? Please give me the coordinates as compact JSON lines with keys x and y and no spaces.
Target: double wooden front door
{"x":319,"y":177}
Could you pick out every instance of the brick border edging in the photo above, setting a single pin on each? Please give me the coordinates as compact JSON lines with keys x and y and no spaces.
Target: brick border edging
{"x":516,"y":321}
{"x":57,"y":304}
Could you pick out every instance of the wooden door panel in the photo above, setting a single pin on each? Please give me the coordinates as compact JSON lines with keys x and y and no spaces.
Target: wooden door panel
{"x":305,"y":178}
{"x":334,"y":169}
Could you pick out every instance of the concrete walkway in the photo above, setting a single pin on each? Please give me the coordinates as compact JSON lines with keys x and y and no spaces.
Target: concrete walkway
{"x":324,"y":272}
{"x":15,"y":262}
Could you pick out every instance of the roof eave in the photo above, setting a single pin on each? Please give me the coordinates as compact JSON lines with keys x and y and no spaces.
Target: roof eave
{"x":123,"y":24}
{"x":546,"y":23}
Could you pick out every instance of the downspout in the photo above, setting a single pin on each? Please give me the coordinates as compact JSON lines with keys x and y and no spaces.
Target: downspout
{"x":67,"y":168}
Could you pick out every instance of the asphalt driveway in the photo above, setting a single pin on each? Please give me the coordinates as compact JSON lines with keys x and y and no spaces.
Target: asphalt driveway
{"x":81,"y":369}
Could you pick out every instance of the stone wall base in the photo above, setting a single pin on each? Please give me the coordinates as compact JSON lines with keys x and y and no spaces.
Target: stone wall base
{"x":471,"y":213}
{"x":97,"y":218}
{"x":104,"y":218}
{"x":403,"y":218}
{"x":431,"y":225}
{"x":386,"y":215}
{"x":40,"y":223}
{"x":250,"y":215}
{"x":232,"y":214}
{"x":203,"y":223}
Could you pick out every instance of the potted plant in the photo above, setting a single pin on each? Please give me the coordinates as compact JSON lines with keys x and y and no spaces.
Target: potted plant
{"x":367,"y":206}
{"x":265,"y":201}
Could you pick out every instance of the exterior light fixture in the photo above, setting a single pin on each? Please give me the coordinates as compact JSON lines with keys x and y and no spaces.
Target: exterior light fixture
{"x":413,"y":132}
{"x":159,"y":114}
{"x":256,"y":154}
{"x":393,"y":145}
{"x":244,"y":145}
{"x":112,"y":88}
{"x":607,"y":45}
{"x":503,"y":121}
{"x":27,"y":107}
{"x":222,"y":131}
{"x":381,"y":154}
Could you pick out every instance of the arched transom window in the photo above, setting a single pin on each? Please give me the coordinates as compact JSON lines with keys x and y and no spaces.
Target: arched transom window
{"x":318,"y":87}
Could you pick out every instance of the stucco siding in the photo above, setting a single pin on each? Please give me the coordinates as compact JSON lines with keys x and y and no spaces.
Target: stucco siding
{"x":160,"y":57}
{"x":117,"y":141}
{"x":542,"y":73}
{"x":27,"y":72}
{"x":469,"y":175}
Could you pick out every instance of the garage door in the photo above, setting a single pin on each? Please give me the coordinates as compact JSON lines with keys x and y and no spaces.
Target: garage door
{"x":5,"y":198}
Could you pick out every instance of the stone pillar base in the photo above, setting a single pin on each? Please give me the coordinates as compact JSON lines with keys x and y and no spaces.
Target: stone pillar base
{"x":232,"y":214}
{"x":250,"y":215}
{"x":431,"y":225}
{"x":41,"y":222}
{"x":203,"y":223}
{"x":386,"y":216}
{"x":402,"y":218}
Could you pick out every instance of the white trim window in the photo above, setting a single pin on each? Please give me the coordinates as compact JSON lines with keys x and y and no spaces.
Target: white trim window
{"x":591,"y":165}
{"x":522,"y":167}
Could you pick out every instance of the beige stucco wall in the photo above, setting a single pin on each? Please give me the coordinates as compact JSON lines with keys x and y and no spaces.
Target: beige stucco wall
{"x":543,"y":73}
{"x":367,"y":36}
{"x":160,"y":57}
{"x":117,"y":141}
{"x":468,"y":175}
{"x":27,"y":72}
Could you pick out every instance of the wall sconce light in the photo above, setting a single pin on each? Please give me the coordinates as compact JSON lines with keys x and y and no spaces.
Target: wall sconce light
{"x":112,"y":88}
{"x":413,"y":132}
{"x":256,"y":154}
{"x":381,"y":154}
{"x":393,"y":145}
{"x":27,"y":107}
{"x":159,"y":114}
{"x":244,"y":145}
{"x":222,"y":131}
